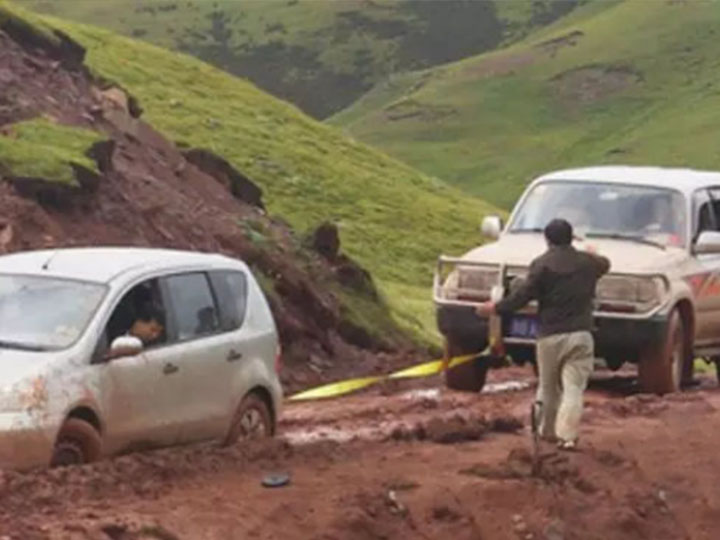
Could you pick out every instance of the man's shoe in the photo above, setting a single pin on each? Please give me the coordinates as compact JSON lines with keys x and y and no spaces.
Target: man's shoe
{"x":567,"y":446}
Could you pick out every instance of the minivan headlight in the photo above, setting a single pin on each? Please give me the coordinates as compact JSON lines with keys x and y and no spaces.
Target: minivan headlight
{"x":630,"y":293}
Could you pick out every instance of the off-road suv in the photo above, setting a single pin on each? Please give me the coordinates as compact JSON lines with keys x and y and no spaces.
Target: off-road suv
{"x":659,"y":307}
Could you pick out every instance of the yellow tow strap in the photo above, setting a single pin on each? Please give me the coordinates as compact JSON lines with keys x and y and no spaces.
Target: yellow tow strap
{"x":351,"y":385}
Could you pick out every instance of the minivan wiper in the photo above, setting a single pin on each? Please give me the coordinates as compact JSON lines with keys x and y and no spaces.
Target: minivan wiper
{"x":630,"y":237}
{"x":21,"y":346}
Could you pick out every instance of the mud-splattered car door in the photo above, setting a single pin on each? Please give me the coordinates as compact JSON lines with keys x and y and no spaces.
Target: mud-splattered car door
{"x":203,"y":352}
{"x":704,"y":280}
{"x":139,"y":393}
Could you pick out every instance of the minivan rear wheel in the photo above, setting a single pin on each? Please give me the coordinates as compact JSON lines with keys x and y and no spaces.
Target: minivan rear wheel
{"x":77,"y":443}
{"x":252,"y":421}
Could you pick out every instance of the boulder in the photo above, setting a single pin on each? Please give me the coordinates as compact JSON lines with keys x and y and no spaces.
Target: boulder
{"x":326,"y":241}
{"x":237,"y":183}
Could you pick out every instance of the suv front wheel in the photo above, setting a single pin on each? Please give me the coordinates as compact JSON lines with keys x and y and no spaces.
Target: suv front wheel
{"x":469,"y":376}
{"x":663,"y":366}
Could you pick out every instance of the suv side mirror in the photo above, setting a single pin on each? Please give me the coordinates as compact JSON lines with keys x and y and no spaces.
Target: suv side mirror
{"x":491,"y":227}
{"x":707,"y":242}
{"x":124,"y":346}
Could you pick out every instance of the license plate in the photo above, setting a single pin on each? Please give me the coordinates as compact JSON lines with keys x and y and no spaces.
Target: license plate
{"x":523,"y":327}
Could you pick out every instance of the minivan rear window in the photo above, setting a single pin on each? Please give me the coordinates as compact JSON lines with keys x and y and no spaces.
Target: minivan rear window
{"x":231,"y":293}
{"x":193,"y":305}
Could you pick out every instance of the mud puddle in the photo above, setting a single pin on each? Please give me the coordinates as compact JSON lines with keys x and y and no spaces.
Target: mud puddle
{"x":444,"y":428}
{"x":404,"y":416}
{"x":490,"y":388}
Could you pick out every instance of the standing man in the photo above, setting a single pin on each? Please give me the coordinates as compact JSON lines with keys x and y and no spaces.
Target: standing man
{"x":563,"y":282}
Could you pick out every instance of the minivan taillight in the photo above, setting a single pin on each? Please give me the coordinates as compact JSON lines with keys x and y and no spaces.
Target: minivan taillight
{"x":278,"y":360}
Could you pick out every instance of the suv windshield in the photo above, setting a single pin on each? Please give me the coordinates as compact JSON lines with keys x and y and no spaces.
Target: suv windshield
{"x":38,"y":313}
{"x":597,"y":209}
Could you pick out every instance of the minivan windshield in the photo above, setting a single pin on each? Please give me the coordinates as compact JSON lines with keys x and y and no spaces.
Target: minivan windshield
{"x":39,"y":313}
{"x":643,"y":213}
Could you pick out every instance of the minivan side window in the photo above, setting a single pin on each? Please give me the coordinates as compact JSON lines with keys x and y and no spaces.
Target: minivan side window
{"x":193,"y":305}
{"x":141,"y":313}
{"x":231,"y":290}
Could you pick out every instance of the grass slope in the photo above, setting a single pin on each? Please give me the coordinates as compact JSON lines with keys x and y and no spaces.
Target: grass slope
{"x":39,"y":149}
{"x":318,"y":54}
{"x":614,"y":82}
{"x":393,"y":219}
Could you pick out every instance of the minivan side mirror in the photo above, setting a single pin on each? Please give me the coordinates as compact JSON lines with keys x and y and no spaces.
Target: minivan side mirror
{"x":707,"y":242}
{"x":491,"y":227}
{"x":124,"y":346}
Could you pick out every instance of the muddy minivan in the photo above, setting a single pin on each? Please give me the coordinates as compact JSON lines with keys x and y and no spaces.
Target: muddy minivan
{"x":108,"y":350}
{"x":658,"y":308}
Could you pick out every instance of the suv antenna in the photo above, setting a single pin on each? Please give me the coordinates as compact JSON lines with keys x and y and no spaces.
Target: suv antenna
{"x":46,"y":264}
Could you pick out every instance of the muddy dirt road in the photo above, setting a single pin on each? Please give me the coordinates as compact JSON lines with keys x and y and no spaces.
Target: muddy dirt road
{"x":406,"y":462}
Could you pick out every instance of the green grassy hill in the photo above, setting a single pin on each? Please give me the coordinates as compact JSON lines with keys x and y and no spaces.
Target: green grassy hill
{"x":614,"y":82}
{"x":318,"y":54}
{"x":393,"y":219}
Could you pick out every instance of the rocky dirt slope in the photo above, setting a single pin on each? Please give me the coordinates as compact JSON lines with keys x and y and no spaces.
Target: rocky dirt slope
{"x":134,"y":187}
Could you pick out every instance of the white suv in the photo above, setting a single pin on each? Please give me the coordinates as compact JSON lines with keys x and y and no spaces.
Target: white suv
{"x":660,"y":305}
{"x":77,"y":381}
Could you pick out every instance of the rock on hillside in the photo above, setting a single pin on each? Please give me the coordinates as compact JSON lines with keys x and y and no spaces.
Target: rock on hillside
{"x":78,"y":166}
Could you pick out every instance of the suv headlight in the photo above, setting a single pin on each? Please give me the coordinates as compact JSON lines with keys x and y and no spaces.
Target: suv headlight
{"x":629,"y":293}
{"x":472,"y":282}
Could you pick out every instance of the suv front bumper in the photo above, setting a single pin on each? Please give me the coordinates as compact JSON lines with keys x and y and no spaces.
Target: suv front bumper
{"x":462,"y":325}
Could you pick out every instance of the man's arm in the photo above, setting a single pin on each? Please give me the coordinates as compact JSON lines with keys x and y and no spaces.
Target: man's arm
{"x":600,"y":264}
{"x":521,"y":296}
{"x":528,"y":290}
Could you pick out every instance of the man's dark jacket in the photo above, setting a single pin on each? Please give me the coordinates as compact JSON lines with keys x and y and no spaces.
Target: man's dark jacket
{"x":563,"y":282}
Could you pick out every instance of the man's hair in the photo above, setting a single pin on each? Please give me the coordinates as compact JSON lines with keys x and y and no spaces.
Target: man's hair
{"x":147,"y":312}
{"x":559,"y":232}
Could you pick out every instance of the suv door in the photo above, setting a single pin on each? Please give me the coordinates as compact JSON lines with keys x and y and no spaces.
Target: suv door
{"x":138,"y":393}
{"x":203,"y":355}
{"x":705,"y":280}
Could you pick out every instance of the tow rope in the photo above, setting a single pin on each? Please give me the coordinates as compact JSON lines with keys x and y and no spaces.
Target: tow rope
{"x":352,"y":385}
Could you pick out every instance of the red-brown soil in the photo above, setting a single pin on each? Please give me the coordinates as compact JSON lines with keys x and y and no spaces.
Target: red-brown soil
{"x":645,"y":469}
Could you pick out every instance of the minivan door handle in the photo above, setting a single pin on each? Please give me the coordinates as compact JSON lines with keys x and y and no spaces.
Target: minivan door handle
{"x":233,"y":356}
{"x":170,"y":368}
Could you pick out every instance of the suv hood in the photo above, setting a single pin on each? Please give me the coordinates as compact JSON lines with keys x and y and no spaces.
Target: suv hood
{"x":625,"y":256}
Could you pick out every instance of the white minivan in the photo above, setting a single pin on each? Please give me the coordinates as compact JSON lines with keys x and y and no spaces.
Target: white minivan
{"x":108,"y":350}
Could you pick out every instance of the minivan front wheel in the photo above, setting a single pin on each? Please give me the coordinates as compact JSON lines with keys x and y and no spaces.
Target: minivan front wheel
{"x":77,"y":443}
{"x":252,"y":420}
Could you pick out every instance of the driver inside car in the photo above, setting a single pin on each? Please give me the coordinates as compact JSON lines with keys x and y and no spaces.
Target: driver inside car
{"x":660,"y":219}
{"x":147,"y":326}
